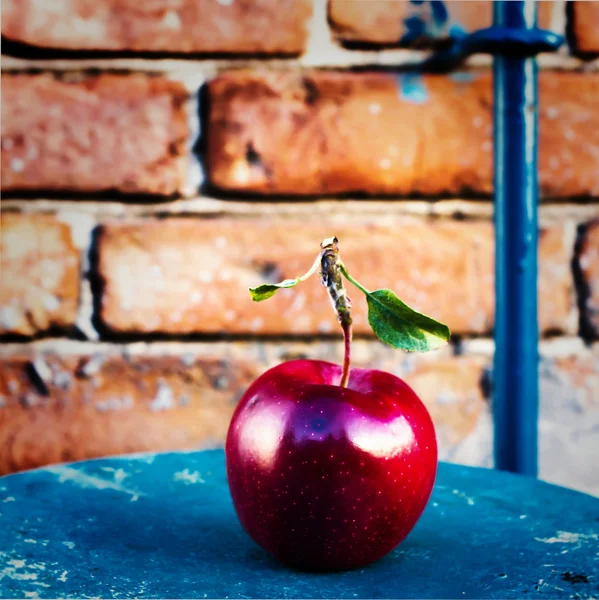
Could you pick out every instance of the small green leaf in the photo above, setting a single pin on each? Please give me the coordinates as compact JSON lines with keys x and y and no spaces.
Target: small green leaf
{"x":268,"y":290}
{"x":396,"y":324}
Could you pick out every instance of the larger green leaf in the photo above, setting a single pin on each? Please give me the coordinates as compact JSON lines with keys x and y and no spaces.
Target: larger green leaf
{"x":398,"y":325}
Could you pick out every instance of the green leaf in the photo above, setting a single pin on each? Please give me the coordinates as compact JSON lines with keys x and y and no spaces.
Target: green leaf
{"x":268,"y":290}
{"x":396,"y":324}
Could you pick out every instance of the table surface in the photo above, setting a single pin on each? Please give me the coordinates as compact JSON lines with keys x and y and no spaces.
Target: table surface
{"x":163,"y":526}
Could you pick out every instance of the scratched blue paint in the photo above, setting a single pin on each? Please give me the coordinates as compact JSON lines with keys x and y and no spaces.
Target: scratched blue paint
{"x":163,"y":526}
{"x":412,"y":88}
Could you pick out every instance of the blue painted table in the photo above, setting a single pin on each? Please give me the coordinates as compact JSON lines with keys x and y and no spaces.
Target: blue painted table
{"x":163,"y":526}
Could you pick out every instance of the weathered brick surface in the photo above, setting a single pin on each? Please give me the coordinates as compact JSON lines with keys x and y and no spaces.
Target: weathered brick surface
{"x":240,"y":26}
{"x":379,"y":133}
{"x":569,"y":420}
{"x":57,"y":408}
{"x":57,"y":405}
{"x":556,"y":288}
{"x":183,"y":276}
{"x":39,"y":268}
{"x":119,"y":132}
{"x":404,"y":22}
{"x":454,"y":395}
{"x":585,"y":26}
{"x":588,"y":262}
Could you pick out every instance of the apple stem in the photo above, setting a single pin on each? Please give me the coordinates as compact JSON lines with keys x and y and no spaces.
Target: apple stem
{"x":347,"y":355}
{"x":331,"y":278}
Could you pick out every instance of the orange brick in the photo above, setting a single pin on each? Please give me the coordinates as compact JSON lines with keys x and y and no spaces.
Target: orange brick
{"x":588,"y":264}
{"x":260,"y":26}
{"x":388,"y":22}
{"x":183,"y":276}
{"x":108,"y":132}
{"x":453,"y":393}
{"x":40,"y":275}
{"x":585,"y":26}
{"x":378,"y":133}
{"x":98,"y":406}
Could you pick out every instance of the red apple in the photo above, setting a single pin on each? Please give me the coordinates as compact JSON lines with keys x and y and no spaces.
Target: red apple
{"x":330,"y":468}
{"x":326,"y":477}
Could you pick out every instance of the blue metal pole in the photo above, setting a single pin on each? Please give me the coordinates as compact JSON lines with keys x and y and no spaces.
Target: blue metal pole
{"x":515,"y":402}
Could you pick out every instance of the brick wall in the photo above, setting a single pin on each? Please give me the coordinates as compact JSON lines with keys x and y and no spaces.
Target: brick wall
{"x":156,"y":164}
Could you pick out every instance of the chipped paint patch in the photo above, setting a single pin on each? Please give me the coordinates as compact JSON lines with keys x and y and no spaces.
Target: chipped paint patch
{"x":566,"y":537}
{"x":63,"y":576}
{"x":17,"y":569}
{"x":118,"y":474}
{"x":9,"y":499}
{"x":89,"y":481}
{"x":462,"y":495}
{"x":164,"y":399}
{"x":69,"y":545}
{"x":32,"y":541}
{"x":12,"y":574}
{"x":188,"y":477}
{"x":17,"y":564}
{"x":148,"y":459}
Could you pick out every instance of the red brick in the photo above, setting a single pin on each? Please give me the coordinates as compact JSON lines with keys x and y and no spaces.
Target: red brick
{"x":588,"y":264}
{"x":106,"y":132}
{"x":58,"y":407}
{"x":384,"y":21}
{"x":239,"y":26}
{"x":40,"y":274}
{"x":378,"y":133}
{"x":585,"y":26}
{"x":183,"y":276}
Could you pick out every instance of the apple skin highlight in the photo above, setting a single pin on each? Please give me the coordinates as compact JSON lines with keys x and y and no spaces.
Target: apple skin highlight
{"x":325,"y":477}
